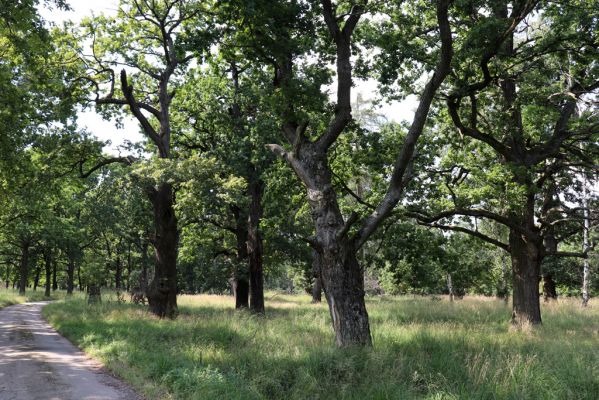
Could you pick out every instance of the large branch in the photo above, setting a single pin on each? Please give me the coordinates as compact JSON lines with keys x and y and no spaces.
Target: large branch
{"x":342,"y":39}
{"x":470,"y":212}
{"x":112,"y":160}
{"x":569,"y":254}
{"x":211,"y":221}
{"x":453,"y":106}
{"x":560,"y":131}
{"x":135,"y":109}
{"x":404,"y":160}
{"x":294,"y":163}
{"x":519,"y":12}
{"x":470,"y":232}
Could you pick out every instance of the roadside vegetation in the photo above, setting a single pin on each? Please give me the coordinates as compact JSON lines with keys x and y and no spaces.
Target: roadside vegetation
{"x":9,"y":297}
{"x":424,"y":347}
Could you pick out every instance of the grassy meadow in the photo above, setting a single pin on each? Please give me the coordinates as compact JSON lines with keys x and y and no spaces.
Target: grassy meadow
{"x":424,"y":348}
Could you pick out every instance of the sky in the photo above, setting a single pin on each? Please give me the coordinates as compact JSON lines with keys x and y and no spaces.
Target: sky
{"x":107,"y":130}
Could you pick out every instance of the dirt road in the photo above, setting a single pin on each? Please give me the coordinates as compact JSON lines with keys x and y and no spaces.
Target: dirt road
{"x":37,"y":363}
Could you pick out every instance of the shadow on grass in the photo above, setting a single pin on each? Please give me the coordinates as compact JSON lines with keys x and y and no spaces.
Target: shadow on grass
{"x":217,"y":352}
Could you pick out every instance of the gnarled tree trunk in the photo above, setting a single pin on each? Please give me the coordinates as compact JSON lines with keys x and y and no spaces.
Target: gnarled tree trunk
{"x":343,"y":284}
{"x":162,"y":291}
{"x":341,"y":276}
{"x":526,"y":266}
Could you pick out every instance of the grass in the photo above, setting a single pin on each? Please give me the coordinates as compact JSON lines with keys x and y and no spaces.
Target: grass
{"x":10,"y":296}
{"x":423,"y":349}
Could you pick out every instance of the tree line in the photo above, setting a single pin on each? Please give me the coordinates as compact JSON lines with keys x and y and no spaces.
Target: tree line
{"x":262,"y":166}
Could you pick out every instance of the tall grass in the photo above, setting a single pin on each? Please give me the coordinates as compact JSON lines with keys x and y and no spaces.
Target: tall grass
{"x":423,"y":349}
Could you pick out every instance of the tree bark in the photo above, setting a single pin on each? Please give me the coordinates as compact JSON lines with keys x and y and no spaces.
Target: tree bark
{"x":24,"y":270}
{"x":162,"y":291}
{"x":526,"y":266}
{"x":343,"y":285}
{"x":254,"y":246}
{"x":341,"y":275}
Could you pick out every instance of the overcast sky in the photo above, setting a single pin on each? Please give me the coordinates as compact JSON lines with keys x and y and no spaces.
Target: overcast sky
{"x":106,"y":130}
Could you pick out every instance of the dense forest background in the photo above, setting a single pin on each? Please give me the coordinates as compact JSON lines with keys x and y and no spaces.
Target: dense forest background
{"x":262,"y":169}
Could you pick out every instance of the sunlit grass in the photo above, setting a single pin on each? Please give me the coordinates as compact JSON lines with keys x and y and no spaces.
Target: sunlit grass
{"x":424,"y":348}
{"x":10,"y":296}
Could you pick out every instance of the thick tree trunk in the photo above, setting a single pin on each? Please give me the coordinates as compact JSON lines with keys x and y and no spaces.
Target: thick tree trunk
{"x":254,"y":246}
{"x":162,"y":291}
{"x":48,"y":267}
{"x":343,"y":285}
{"x":70,"y":275}
{"x":241,"y":291}
{"x":24,"y":270}
{"x":526,"y":267}
{"x":341,"y":276}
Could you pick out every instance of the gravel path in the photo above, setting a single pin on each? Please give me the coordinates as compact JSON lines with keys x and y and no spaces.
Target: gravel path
{"x":37,"y":363}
